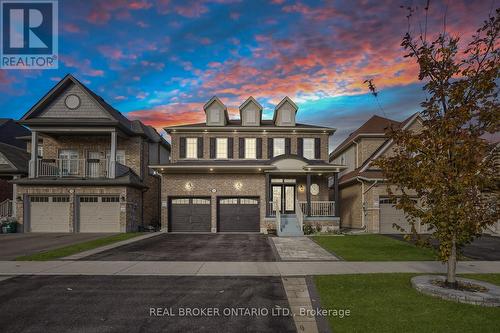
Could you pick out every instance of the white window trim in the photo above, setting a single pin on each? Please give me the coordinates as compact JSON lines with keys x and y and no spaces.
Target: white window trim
{"x":194,"y":154}
{"x":221,"y":146}
{"x":310,"y":150}
{"x":275,"y":152}
{"x":251,"y":153}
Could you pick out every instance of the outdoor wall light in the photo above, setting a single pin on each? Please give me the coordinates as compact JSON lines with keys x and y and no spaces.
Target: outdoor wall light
{"x":302,"y":188}
{"x":211,"y":169}
{"x":122,"y":199}
{"x":238,"y":186}
{"x":188,"y":186}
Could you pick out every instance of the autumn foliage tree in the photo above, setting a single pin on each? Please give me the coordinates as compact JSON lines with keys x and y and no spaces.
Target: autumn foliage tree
{"x":449,"y":165}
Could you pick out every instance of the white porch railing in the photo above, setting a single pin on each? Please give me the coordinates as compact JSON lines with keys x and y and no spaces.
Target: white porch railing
{"x":6,"y":208}
{"x":318,"y":208}
{"x":87,"y":168}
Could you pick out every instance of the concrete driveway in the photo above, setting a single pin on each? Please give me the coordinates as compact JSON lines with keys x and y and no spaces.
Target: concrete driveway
{"x":123,"y":304}
{"x":15,"y":245}
{"x":485,"y":248}
{"x":193,"y":247}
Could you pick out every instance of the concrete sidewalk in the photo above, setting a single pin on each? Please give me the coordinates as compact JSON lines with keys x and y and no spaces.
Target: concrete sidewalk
{"x":184,"y":268}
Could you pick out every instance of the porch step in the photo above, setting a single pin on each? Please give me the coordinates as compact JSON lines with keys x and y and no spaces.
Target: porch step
{"x":289,"y":227}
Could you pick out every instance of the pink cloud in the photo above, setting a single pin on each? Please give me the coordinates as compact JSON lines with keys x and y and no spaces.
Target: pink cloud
{"x":84,"y":66}
{"x":72,"y":28}
{"x":170,"y":114}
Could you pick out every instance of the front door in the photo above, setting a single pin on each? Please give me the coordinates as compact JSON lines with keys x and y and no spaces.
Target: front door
{"x":284,"y":195}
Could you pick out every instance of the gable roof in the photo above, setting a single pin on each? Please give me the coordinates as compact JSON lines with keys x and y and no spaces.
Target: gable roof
{"x":18,"y":159}
{"x":250,"y":100}
{"x":135,"y":127}
{"x":280,"y":104}
{"x":376,"y":125}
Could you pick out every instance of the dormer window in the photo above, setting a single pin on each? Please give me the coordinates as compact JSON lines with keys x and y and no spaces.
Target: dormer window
{"x":287,"y":117}
{"x":250,"y":116}
{"x":215,"y":116}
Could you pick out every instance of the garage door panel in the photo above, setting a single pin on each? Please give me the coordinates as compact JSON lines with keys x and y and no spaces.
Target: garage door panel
{"x":99,"y":214}
{"x":190,"y":215}
{"x":49,"y":213}
{"x":238,"y":215}
{"x":389,"y":215}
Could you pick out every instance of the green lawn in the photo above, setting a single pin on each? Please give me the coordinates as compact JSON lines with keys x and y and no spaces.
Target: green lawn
{"x":372,"y":247}
{"x":388,"y":303}
{"x":76,"y":248}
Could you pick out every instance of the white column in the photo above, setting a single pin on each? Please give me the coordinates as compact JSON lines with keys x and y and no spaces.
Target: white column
{"x":14,"y":198}
{"x":112,"y":157}
{"x":34,"y":155}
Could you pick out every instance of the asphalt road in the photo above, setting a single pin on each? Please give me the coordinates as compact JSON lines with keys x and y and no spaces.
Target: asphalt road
{"x":123,"y":304}
{"x":16,"y":245}
{"x":193,"y":247}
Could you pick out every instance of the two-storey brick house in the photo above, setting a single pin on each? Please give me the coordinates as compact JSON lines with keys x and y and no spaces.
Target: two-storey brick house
{"x":88,"y":170}
{"x":363,"y":187}
{"x":247,"y":175}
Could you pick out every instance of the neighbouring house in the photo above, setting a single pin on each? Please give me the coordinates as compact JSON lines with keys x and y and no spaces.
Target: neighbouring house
{"x":88,"y":170}
{"x":12,"y":133}
{"x":13,"y":165}
{"x":248,"y":174}
{"x":365,"y":203}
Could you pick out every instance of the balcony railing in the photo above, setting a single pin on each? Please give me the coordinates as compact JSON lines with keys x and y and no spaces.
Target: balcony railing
{"x":80,"y":168}
{"x":317,"y":208}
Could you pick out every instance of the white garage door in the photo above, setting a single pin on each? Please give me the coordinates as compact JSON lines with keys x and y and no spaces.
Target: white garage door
{"x":99,"y":214}
{"x":49,"y":213}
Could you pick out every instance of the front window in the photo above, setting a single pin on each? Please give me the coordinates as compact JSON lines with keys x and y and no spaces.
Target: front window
{"x":191,"y":147}
{"x":309,"y":148}
{"x":221,"y":148}
{"x":251,"y":148}
{"x":40,"y":151}
{"x":68,"y":161}
{"x":120,"y":156}
{"x":278,"y":146}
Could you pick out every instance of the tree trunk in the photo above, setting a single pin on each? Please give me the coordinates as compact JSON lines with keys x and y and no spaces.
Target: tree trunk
{"x":451,"y":278}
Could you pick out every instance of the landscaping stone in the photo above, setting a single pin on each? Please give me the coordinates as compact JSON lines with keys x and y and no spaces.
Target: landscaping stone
{"x":491,"y":297}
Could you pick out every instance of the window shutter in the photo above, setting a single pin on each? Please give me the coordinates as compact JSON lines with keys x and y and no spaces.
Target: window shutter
{"x":259,"y":148}
{"x":212,"y":147}
{"x":182,"y":148}
{"x":200,"y":147}
{"x":288,"y":146}
{"x":242,"y":148}
{"x":300,"y":147}
{"x":230,"y":148}
{"x":270,"y":148}
{"x":317,"y":148}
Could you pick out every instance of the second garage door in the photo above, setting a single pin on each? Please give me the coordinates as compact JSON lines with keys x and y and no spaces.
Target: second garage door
{"x":238,"y":215}
{"x":389,"y":215}
{"x":99,"y":214}
{"x":190,"y":215}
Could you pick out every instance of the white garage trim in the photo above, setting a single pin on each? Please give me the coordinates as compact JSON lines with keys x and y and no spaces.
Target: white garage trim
{"x":49,"y":213}
{"x":99,"y":213}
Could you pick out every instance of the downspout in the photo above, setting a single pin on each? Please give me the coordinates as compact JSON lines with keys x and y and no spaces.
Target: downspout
{"x":363,"y":207}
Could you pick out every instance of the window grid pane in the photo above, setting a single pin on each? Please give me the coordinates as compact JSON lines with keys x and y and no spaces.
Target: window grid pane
{"x":221,"y":148}
{"x":309,"y":148}
{"x":250,"y":148}
{"x":278,"y":146}
{"x":191,"y":147}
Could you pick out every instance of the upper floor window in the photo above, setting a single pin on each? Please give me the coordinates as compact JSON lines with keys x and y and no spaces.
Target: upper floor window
{"x":278,"y":146}
{"x":308,"y":148}
{"x":221,"y":148}
{"x":191,"y":147}
{"x":251,"y":148}
{"x":120,"y":156}
{"x":40,"y":151}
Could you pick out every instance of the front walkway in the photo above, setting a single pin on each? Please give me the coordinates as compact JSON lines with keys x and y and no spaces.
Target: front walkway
{"x":300,"y":249}
{"x":207,"y":268}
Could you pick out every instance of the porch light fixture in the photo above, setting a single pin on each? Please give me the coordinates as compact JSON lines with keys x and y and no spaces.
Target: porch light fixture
{"x":302,"y":188}
{"x":188,"y":186}
{"x":238,"y":186}
{"x":211,"y":169}
{"x":260,"y":169}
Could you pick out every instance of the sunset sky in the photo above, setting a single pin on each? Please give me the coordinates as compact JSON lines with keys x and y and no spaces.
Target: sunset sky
{"x":160,"y":61}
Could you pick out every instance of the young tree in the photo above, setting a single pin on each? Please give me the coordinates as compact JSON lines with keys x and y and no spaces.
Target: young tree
{"x":448,"y":164}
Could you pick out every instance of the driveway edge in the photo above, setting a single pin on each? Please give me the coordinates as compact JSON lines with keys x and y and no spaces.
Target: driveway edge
{"x":84,"y":254}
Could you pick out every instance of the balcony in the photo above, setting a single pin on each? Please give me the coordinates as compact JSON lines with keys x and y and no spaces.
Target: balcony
{"x":74,"y":168}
